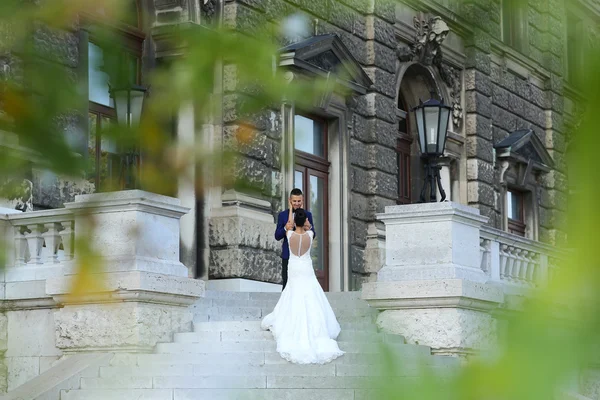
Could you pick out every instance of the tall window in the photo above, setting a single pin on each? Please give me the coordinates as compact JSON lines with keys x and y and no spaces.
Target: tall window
{"x":515,"y":207}
{"x":515,"y":24}
{"x":575,"y":50}
{"x":109,"y":59}
{"x":311,"y":175}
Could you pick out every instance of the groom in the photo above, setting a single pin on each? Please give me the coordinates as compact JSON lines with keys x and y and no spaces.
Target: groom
{"x":296,"y":201}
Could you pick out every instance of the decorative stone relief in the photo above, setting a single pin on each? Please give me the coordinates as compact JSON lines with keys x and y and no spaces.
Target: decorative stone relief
{"x":427,"y":50}
{"x":453,"y":78}
{"x":428,"y":40}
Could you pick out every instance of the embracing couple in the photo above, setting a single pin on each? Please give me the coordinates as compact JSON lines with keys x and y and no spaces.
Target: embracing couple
{"x":302,"y":323}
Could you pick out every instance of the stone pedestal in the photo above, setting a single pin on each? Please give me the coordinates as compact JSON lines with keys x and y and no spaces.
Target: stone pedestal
{"x":432,"y":289}
{"x":242,"y":240}
{"x":141,"y":293}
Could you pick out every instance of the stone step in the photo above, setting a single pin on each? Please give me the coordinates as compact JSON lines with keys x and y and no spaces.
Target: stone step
{"x":273,"y":296}
{"x":263,"y":394}
{"x":128,"y":375}
{"x":256,"y":313}
{"x":255,"y":326}
{"x":250,"y":346}
{"x":405,"y":353}
{"x":105,"y":394}
{"x":240,"y":336}
{"x":338,"y":304}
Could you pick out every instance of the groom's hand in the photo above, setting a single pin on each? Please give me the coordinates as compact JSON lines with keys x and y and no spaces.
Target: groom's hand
{"x":289,"y":226}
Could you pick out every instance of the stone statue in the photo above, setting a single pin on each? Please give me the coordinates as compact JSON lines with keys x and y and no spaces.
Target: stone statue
{"x":429,"y":37}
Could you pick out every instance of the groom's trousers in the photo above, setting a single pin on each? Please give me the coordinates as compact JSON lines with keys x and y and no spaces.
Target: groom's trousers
{"x":284,"y":272}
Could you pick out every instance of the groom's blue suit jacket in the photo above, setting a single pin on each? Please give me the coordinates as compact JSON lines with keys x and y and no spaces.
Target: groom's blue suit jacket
{"x":282,"y":219}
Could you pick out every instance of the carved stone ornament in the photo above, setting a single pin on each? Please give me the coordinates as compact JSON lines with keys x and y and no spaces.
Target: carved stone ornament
{"x":209,"y":8}
{"x":428,"y":40}
{"x":427,"y":51}
{"x":452,"y":77}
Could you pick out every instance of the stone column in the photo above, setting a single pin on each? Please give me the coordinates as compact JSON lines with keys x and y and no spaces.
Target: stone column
{"x":432,"y":289}
{"x":140,"y":292}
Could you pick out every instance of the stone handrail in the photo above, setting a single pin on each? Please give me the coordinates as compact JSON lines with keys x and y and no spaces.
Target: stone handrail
{"x":40,"y":238}
{"x":516,"y":261}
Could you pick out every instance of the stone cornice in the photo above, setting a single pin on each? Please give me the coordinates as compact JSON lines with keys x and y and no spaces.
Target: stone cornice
{"x":433,"y":213}
{"x":518,"y":63}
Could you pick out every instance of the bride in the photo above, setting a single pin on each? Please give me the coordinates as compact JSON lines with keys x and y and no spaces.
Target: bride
{"x":303,"y":323}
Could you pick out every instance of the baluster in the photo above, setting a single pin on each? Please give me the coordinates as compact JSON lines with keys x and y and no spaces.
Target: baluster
{"x":66,"y":236}
{"x":524,"y":266}
{"x":52,"y":239}
{"x":504,"y":258}
{"x":514,"y":273}
{"x":35,"y":242}
{"x":20,"y":246}
{"x":535,"y":269}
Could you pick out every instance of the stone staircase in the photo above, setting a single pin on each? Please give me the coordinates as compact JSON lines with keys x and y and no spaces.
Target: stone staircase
{"x":228,"y":356}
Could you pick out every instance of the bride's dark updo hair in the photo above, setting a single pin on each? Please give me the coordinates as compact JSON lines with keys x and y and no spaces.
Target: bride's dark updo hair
{"x":299,"y":217}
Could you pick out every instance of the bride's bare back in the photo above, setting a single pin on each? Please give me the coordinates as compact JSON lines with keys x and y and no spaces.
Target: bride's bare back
{"x":300,"y":243}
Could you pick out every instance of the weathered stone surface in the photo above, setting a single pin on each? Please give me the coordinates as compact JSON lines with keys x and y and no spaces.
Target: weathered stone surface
{"x":479,"y":125}
{"x":347,"y":18}
{"x":55,"y":45}
{"x":52,"y":191}
{"x":245,"y":263}
{"x":358,"y":232}
{"x":478,"y":60}
{"x":377,"y":105}
{"x":477,"y":80}
{"x":380,"y":56}
{"x":374,"y":182}
{"x":504,"y":119}
{"x":383,"y":81}
{"x":373,"y":156}
{"x":479,"y":147}
{"x":385,"y":9}
{"x":479,"y":170}
{"x":244,"y":19}
{"x":383,"y":32}
{"x":481,"y":193}
{"x":246,"y":232}
{"x":357,"y":259}
{"x":478,"y":103}
{"x":127,"y":326}
{"x":373,"y":130}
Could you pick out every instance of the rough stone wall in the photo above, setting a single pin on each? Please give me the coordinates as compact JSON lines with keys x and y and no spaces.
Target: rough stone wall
{"x":366,"y":28}
{"x":499,"y":101}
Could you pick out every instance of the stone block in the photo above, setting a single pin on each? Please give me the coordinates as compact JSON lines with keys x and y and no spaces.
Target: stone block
{"x":503,"y":119}
{"x":21,"y":370}
{"x":479,"y":125}
{"x":556,"y":26}
{"x":357,"y":259}
{"x":31,"y":334}
{"x":380,"y":56}
{"x":446,"y":234}
{"x":56,"y":45}
{"x":128,"y":326}
{"x":247,"y":263}
{"x":358,"y":232}
{"x":377,"y":105}
{"x":385,"y":9}
{"x":346,"y":18}
{"x":244,"y":19}
{"x":242,"y":231}
{"x":478,"y":103}
{"x":479,"y":147}
{"x":500,"y":96}
{"x":479,"y":81}
{"x":479,"y":170}
{"x":373,"y":130}
{"x":373,"y":156}
{"x":374,"y":183}
{"x":383,"y":81}
{"x":481,"y":193}
{"x":53,"y":191}
{"x":383,"y":32}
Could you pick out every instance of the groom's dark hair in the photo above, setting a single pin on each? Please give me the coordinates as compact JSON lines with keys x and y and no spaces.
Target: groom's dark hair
{"x":299,"y":217}
{"x":296,"y":192}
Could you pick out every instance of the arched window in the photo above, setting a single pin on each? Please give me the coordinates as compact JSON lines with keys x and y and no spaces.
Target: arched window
{"x":114,"y":51}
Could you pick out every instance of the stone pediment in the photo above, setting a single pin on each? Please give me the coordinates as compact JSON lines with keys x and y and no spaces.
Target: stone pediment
{"x":323,"y":55}
{"x":525,"y":146}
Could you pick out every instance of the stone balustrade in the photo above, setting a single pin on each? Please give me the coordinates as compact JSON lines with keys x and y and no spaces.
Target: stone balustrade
{"x":41,"y":237}
{"x":514,"y":261}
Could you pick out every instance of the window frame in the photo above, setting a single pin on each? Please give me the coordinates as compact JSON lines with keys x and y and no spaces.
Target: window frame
{"x":132,"y":42}
{"x":516,"y":226}
{"x":514,"y":24}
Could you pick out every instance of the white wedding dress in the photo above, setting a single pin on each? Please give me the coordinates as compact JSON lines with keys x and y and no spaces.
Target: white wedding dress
{"x":303,"y":323}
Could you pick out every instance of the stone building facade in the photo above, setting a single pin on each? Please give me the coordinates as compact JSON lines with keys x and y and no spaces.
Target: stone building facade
{"x":507,"y":68}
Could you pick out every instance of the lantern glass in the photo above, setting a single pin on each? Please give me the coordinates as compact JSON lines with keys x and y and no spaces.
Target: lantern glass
{"x":431,"y":129}
{"x":128,"y":105}
{"x":420,"y":128}
{"x":443,"y":129}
